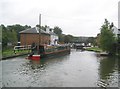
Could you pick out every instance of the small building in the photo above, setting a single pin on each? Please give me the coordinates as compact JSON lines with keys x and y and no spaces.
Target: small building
{"x":32,"y":35}
{"x":53,"y":36}
{"x":115,"y":31}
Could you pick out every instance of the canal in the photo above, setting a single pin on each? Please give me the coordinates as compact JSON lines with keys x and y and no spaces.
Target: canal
{"x":78,"y":69}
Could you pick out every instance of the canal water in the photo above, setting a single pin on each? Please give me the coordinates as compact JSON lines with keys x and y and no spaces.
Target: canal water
{"x":78,"y":69}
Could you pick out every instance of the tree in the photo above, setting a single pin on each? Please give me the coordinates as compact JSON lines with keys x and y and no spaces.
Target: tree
{"x":61,"y":38}
{"x":12,"y":36}
{"x":0,"y":34}
{"x":97,"y":40}
{"x":57,"y":30}
{"x":107,"y":38}
{"x":4,"y":36}
{"x":17,"y":28}
{"x":68,"y":38}
{"x":90,"y":40}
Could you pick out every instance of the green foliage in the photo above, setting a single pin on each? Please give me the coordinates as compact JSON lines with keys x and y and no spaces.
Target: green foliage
{"x":4,"y":36}
{"x":68,"y":38}
{"x":0,"y":34}
{"x":11,"y":34}
{"x":107,"y":38}
{"x":61,"y":38}
{"x":118,"y":40}
{"x":10,"y":52}
{"x":97,"y":40}
{"x":57,"y":30}
{"x":17,"y":28}
{"x":91,"y":40}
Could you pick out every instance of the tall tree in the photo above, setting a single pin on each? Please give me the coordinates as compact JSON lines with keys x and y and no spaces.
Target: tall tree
{"x":12,"y":36}
{"x":57,"y":30}
{"x":97,"y":40}
{"x":17,"y":28}
{"x":4,"y":36}
{"x":61,"y":38}
{"x":68,"y":38}
{"x":0,"y":34}
{"x":11,"y":33}
{"x":107,"y":38}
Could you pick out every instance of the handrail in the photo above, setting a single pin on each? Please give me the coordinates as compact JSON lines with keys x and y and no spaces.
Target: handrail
{"x":22,"y":47}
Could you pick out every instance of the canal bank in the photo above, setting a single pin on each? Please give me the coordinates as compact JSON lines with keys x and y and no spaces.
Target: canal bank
{"x":100,"y":52}
{"x":95,"y":49}
{"x":13,"y":56}
{"x":78,"y":69}
{"x":10,"y":53}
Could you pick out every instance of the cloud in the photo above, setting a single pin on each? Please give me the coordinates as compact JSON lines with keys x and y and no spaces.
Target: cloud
{"x":76,"y":17}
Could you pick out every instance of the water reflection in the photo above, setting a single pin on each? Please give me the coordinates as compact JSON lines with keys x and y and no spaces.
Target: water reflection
{"x":30,"y":66}
{"x":108,"y":72}
{"x":46,"y":62}
{"x":35,"y":64}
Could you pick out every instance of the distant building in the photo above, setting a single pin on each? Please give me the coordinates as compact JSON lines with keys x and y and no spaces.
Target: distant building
{"x":31,"y":35}
{"x":80,"y":39}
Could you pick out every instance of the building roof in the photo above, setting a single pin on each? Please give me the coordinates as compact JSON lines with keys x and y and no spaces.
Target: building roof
{"x":34,"y":30}
{"x":52,"y":33}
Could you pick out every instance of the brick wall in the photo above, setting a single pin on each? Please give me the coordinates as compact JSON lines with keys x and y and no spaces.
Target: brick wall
{"x":28,"y":39}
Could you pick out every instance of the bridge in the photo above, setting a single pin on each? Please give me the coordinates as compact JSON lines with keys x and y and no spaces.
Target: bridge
{"x":81,"y":46}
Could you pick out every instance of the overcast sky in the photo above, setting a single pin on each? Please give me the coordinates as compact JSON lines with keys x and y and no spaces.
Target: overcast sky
{"x":75,"y":17}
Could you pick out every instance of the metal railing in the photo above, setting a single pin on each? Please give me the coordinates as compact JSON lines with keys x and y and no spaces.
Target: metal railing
{"x":23,"y":47}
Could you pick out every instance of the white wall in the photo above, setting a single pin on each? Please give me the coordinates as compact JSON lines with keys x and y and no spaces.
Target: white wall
{"x":48,"y":30}
{"x":53,"y":38}
{"x":115,"y":30}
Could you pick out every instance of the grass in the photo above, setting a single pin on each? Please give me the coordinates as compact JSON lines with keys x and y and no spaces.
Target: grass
{"x":96,"y":49}
{"x":10,"y":52}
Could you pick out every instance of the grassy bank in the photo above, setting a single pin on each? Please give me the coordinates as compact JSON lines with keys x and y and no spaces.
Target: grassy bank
{"x":10,"y":52}
{"x":95,"y":49}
